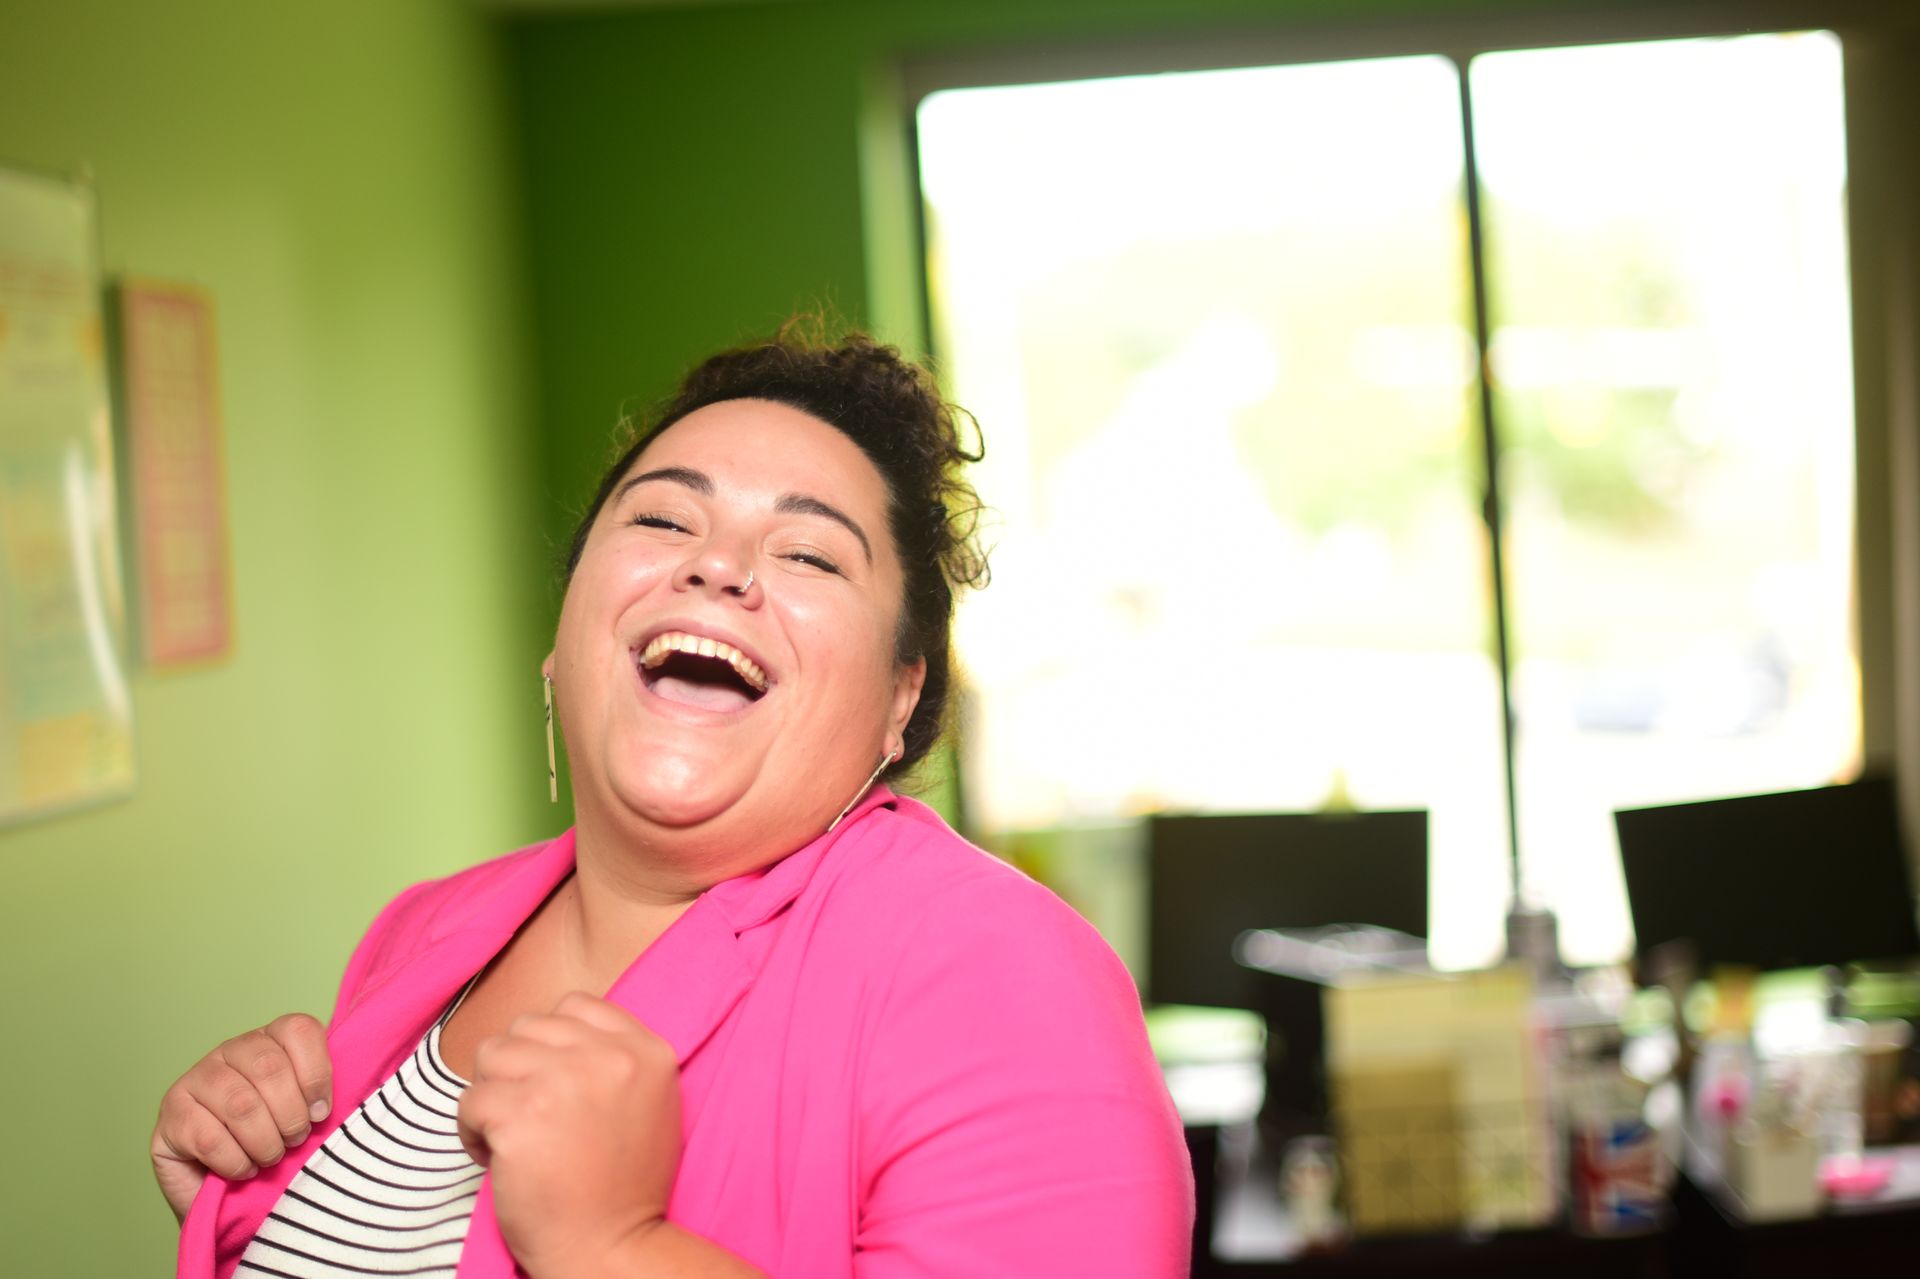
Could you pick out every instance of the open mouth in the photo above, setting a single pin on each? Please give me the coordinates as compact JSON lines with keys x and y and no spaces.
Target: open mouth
{"x":693,"y":670}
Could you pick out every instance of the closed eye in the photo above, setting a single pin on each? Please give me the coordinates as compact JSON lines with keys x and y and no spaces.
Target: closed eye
{"x":658,"y":521}
{"x":812,"y":560}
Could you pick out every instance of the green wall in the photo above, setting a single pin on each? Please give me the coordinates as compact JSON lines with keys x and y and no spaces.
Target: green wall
{"x":695,"y":173}
{"x":338,"y":173}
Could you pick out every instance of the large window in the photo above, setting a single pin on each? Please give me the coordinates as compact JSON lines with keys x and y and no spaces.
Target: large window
{"x":1670,"y":362}
{"x":1221,"y":330}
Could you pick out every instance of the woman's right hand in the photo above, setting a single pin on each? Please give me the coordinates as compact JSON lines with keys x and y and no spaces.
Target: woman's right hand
{"x":241,"y":1107}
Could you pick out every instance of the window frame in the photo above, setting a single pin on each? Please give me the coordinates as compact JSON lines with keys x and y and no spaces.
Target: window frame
{"x":1881,"y":54}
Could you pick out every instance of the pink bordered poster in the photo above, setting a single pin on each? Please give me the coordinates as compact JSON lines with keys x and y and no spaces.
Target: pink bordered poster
{"x":173,"y":430}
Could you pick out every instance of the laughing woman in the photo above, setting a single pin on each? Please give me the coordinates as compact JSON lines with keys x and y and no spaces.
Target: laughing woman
{"x":755,"y":1013}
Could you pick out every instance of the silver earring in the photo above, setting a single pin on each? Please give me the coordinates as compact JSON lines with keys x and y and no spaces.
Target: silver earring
{"x":553,"y":777}
{"x":872,"y":777}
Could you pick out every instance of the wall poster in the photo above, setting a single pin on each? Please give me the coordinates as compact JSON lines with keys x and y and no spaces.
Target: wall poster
{"x":176,"y":474}
{"x":66,"y":712}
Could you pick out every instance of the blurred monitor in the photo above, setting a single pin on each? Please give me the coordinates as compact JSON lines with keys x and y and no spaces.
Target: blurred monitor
{"x":1211,"y":878}
{"x":1777,"y":881}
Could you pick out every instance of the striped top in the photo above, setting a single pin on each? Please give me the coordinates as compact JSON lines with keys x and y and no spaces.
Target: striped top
{"x":390,"y":1192}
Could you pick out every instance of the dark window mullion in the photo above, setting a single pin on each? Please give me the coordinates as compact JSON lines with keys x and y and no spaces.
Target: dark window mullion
{"x":1490,"y":508}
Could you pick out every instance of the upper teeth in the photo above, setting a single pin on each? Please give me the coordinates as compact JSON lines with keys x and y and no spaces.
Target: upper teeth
{"x":700,"y":646}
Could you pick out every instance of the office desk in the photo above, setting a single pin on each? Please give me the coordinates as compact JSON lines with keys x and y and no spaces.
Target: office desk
{"x":1703,"y":1237}
{"x":1242,"y":1230}
{"x":1527,"y":1255}
{"x":1709,"y":1238}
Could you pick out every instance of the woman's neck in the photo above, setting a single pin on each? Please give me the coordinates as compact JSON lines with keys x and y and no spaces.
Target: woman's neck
{"x":635,"y":878}
{"x":620,"y":905}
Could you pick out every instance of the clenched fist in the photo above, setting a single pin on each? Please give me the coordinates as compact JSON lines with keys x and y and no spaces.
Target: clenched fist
{"x":577,"y":1116}
{"x":241,"y":1107}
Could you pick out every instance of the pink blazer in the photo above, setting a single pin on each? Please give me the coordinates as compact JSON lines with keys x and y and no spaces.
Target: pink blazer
{"x":898,"y":1057}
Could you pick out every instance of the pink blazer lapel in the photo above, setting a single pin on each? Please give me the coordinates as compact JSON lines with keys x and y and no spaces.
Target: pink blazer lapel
{"x":684,"y":985}
{"x":380,"y":1025}
{"x":687,"y":982}
{"x":681,"y":988}
{"x":384,"y":1021}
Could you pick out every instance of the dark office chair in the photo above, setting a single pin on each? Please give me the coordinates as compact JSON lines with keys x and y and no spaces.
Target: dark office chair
{"x":1211,"y":878}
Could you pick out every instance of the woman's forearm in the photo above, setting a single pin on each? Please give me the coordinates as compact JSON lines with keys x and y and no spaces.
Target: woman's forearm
{"x":664,"y":1251}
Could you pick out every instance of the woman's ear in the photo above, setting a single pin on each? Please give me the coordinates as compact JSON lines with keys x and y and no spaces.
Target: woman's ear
{"x":908,"y":680}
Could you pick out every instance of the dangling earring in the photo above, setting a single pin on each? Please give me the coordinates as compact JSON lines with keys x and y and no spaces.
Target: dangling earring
{"x":553,"y":777}
{"x":872,"y":777}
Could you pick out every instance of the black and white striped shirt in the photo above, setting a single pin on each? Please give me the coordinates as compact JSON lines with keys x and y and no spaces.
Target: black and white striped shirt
{"x":390,"y":1192}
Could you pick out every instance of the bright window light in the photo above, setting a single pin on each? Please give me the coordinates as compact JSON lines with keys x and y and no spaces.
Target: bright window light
{"x":1218,"y":327}
{"x":1667,"y":260}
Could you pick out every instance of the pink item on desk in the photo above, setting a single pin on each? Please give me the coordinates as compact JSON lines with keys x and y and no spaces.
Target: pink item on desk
{"x":1850,"y":1177}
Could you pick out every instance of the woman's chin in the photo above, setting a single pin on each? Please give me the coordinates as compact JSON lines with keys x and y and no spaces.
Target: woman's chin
{"x":677,"y":810}
{"x":740,"y":797}
{"x":678,"y":794}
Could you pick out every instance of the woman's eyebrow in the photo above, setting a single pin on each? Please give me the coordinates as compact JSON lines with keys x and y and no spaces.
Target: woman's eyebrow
{"x":695,"y":480}
{"x":801,"y":504}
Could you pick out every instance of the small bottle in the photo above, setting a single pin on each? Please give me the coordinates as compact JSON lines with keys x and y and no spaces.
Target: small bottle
{"x":1310,"y":1184}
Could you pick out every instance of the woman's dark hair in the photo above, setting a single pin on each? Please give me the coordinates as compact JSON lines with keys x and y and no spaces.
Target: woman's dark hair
{"x":891,"y":408}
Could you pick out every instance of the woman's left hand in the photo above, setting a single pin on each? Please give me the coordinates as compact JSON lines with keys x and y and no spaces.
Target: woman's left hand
{"x":577,"y":1116}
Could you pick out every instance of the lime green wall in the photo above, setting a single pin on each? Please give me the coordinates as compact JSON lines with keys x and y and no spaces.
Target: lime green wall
{"x":337,"y":173}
